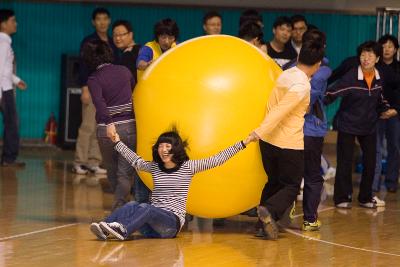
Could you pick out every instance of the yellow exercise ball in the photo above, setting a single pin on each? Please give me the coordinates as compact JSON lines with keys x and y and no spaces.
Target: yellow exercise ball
{"x":215,"y":90}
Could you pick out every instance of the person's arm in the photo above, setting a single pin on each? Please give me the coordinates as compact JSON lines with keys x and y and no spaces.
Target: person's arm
{"x":19,"y":83}
{"x":136,"y":161}
{"x":3,"y":53}
{"x":391,"y":86}
{"x":98,"y":101}
{"x":339,"y":89}
{"x":319,"y":82}
{"x":292,"y":98}
{"x":221,"y":157}
{"x":145,"y":58}
{"x":216,"y":160}
{"x":4,"y":50}
{"x":343,"y":68}
{"x":83,"y":68}
{"x":396,"y":93}
{"x":85,"y":95}
{"x":384,"y":109}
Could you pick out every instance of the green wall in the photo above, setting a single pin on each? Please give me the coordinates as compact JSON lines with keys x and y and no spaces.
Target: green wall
{"x":47,"y":30}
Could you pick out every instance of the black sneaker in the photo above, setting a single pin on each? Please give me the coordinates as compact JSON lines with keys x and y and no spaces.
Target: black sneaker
{"x":97,"y":231}
{"x":269,"y":224}
{"x":260,"y":233}
{"x":115,"y":229}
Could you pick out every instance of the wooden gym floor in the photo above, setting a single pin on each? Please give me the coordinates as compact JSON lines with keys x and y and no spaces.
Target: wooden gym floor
{"x":45,"y":212}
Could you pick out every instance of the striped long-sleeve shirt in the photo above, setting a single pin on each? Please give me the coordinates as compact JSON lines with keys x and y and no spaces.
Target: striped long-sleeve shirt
{"x":170,"y":190}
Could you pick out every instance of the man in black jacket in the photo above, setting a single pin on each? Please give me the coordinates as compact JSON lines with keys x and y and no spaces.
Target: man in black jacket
{"x":123,"y":37}
{"x":389,"y":128}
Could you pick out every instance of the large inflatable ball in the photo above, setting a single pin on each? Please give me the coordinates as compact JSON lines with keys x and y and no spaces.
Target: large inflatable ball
{"x":214,"y":89}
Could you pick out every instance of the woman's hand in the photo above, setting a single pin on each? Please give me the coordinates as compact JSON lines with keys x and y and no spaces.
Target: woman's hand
{"x":253,"y":137}
{"x":388,"y":114}
{"x":143,"y":64}
{"x":85,"y":96}
{"x":115,"y":138}
{"x":112,"y":133}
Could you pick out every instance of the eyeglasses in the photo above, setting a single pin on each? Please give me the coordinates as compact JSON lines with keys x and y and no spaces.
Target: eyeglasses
{"x":120,"y":35}
{"x":300,"y":29}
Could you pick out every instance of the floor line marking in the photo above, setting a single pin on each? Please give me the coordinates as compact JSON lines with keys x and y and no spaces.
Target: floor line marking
{"x":332,"y":243}
{"x":37,"y":232}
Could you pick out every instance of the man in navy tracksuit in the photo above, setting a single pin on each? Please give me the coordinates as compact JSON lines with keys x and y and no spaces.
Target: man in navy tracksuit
{"x":362,"y":104}
{"x":315,"y":129}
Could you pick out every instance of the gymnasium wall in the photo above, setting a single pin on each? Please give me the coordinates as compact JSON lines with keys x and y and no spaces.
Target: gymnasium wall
{"x":47,"y":30}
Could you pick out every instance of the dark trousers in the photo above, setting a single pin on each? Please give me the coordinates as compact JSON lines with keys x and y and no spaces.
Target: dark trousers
{"x":149,"y":220}
{"x":313,"y":180}
{"x":343,"y":180}
{"x":390,"y":129}
{"x":120,"y":173}
{"x":11,"y":131}
{"x":285,"y":168}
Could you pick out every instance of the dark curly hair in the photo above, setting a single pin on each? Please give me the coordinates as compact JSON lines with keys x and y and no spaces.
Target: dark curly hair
{"x":96,"y":53}
{"x":178,"y":147}
{"x":166,"y":26}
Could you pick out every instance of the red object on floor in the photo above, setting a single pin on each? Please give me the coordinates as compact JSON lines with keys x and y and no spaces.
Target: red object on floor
{"x":51,"y":130}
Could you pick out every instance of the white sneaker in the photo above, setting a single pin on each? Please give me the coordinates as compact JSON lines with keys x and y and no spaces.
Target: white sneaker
{"x":78,"y":169}
{"x":378,"y":202}
{"x":114,"y":229}
{"x":97,"y":170}
{"x":98,"y":231}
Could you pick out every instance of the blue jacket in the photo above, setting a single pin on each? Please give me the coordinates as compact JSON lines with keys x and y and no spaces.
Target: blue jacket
{"x":315,"y":122}
{"x":360,"y":107}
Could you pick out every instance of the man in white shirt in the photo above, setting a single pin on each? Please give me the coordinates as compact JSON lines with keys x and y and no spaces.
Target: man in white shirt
{"x":8,"y":26}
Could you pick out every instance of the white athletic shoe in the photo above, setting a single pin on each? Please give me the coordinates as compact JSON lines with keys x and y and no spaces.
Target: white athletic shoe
{"x":97,"y":231}
{"x":378,"y":202}
{"x":115,"y":229}
{"x":78,"y":169}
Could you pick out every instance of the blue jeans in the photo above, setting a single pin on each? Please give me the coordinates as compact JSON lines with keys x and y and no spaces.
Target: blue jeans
{"x":390,"y":129}
{"x":149,"y":220}
{"x":120,"y":173}
{"x":11,"y":131}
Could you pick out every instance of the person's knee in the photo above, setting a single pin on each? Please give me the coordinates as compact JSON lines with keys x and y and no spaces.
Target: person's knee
{"x":132,"y":203}
{"x":145,"y":206}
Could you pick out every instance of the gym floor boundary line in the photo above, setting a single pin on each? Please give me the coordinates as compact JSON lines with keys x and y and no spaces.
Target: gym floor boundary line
{"x":296,"y":233}
{"x":37,"y":231}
